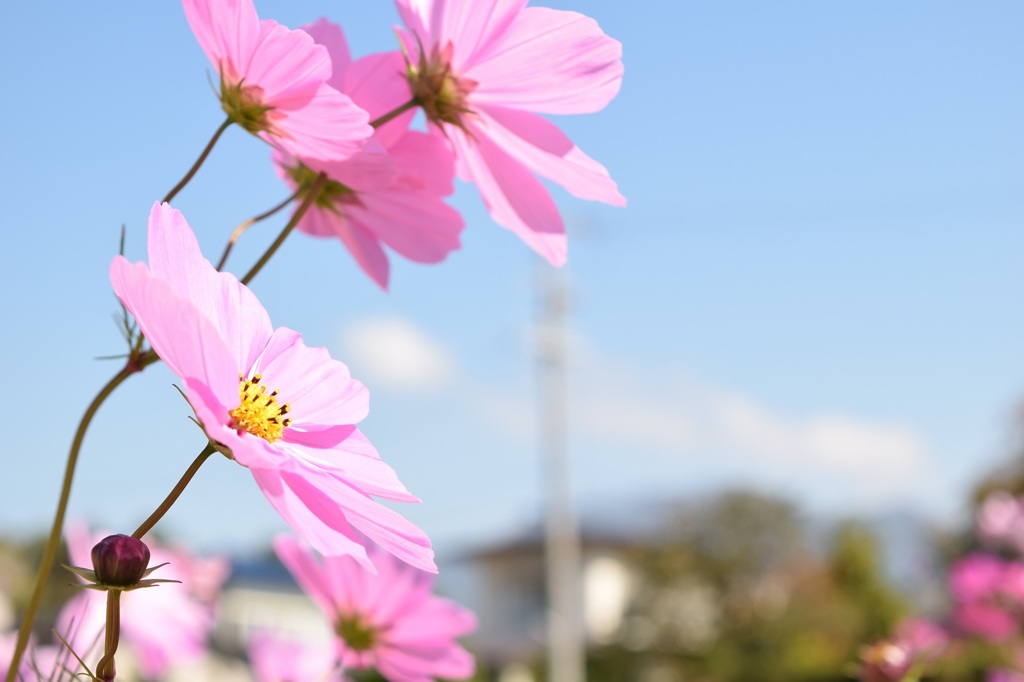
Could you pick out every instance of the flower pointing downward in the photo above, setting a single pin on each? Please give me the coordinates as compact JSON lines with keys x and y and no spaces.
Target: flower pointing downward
{"x":273,"y":81}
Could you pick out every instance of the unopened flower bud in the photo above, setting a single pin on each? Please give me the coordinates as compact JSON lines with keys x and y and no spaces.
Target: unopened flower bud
{"x":120,"y":560}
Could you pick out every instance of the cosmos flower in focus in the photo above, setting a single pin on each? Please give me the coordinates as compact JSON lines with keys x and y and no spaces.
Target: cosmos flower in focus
{"x":283,"y":410}
{"x":389,"y":621}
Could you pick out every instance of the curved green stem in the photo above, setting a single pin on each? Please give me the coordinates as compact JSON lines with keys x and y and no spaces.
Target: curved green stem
{"x":307,"y":201}
{"x":175,"y":493}
{"x":134,"y":364}
{"x":398,"y":111}
{"x":105,"y":669}
{"x":199,"y":162}
{"x":249,"y":223}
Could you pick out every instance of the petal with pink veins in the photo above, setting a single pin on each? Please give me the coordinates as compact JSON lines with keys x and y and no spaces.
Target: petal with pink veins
{"x":174,"y":256}
{"x":549,"y":61}
{"x":312,"y":515}
{"x":514,"y":197}
{"x":548,"y":152}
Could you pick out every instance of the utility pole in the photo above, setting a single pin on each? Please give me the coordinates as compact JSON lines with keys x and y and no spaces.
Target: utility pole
{"x":566,"y":655}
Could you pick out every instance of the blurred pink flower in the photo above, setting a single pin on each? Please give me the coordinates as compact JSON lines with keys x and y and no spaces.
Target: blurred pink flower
{"x":162,"y":625}
{"x":1004,"y":675}
{"x":389,"y":621}
{"x":285,"y":411}
{"x":41,"y":663}
{"x":273,"y":81}
{"x":988,"y":595}
{"x":374,"y":199}
{"x":924,"y":638}
{"x":276,"y":659}
{"x":482,"y":70}
{"x":1000,"y":520}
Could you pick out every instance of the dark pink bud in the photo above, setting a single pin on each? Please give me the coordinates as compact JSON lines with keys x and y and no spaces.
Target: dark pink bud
{"x":120,"y":560}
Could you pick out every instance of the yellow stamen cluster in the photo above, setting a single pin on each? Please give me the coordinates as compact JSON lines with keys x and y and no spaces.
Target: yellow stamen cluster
{"x":258,"y":412}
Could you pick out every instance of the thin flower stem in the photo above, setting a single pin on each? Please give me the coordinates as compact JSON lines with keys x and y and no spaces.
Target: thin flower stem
{"x":307,"y":201}
{"x":249,"y":223}
{"x":175,"y":493}
{"x":199,"y":161}
{"x":105,"y":669}
{"x":398,"y":111}
{"x":134,"y":364}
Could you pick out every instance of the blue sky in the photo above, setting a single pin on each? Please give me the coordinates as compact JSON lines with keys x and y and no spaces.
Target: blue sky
{"x":815,"y":289}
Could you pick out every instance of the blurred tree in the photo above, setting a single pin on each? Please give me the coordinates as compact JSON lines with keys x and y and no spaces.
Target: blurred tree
{"x":736,"y":593}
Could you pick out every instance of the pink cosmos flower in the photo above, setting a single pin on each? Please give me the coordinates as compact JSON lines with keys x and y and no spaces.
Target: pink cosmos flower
{"x":284,"y":411}
{"x":276,"y":659}
{"x":374,"y":199}
{"x":162,"y":625}
{"x":1000,"y":520}
{"x":273,"y":81}
{"x":482,"y":70}
{"x":925,"y":639}
{"x":389,"y":621}
{"x":988,"y":595}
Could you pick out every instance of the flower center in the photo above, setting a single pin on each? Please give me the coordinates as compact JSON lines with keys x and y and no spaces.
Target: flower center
{"x":244,"y":105}
{"x":258,"y":412}
{"x":357,"y":633}
{"x":331,"y":194}
{"x":442,"y":95}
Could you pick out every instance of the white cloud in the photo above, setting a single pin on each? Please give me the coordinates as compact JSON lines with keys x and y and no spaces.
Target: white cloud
{"x":392,"y":351}
{"x":654,"y":419}
{"x":886,"y":455}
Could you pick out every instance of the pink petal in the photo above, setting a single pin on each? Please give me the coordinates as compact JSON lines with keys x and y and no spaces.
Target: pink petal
{"x":378,"y":84}
{"x":330,"y":35}
{"x":424,"y":163}
{"x":286,"y":65}
{"x":183,"y":338}
{"x":307,"y":571}
{"x":469,"y":24}
{"x":401,"y":665}
{"x":319,"y":223}
{"x":362,"y":244}
{"x":352,"y":460}
{"x":226,"y":29}
{"x":312,"y":515}
{"x":328,"y":127}
{"x":382,"y":525}
{"x":174,"y":255}
{"x":514,"y":197}
{"x":544,"y":149}
{"x":550,"y":61}
{"x":319,"y":388}
{"x":421,"y":228}
{"x":370,"y":170}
